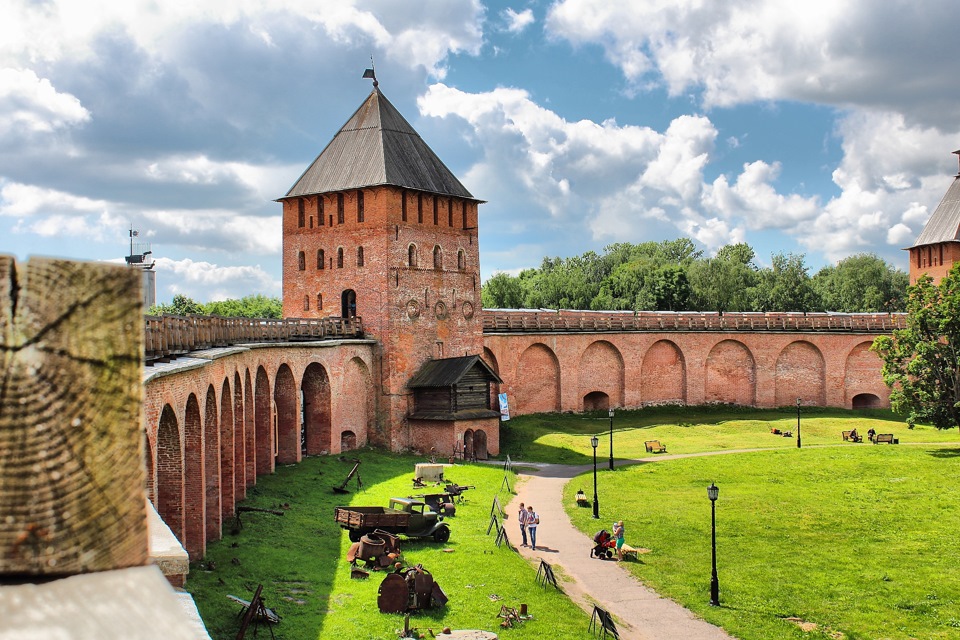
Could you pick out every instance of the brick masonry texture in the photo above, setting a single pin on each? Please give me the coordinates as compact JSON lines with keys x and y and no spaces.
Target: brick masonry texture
{"x":574,"y":372}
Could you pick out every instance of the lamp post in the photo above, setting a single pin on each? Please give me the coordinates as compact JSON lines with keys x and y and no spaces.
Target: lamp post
{"x":610,"y":413}
{"x":594,"y":441}
{"x":798,"y":423}
{"x":713,"y":492}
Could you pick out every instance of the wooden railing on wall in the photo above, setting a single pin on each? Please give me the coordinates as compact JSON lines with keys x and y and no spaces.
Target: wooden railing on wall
{"x":168,"y":336}
{"x":565,"y":321}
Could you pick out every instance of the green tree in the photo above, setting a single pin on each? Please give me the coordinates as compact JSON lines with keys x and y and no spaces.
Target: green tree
{"x":502,"y":291}
{"x":252,"y":306}
{"x":921,"y":363}
{"x":861,"y":283}
{"x":181,"y":305}
{"x":726,"y":282}
{"x":785,"y":286}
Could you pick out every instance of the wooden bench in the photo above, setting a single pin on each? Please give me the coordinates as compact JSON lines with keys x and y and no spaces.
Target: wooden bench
{"x":849,"y":436}
{"x":887,"y":438}
{"x":654,"y":446}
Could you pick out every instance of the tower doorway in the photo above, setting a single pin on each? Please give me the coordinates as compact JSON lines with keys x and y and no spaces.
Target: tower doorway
{"x":348,"y":304}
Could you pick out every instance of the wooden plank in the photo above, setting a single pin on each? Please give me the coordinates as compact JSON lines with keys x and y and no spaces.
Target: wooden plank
{"x":71,"y":438}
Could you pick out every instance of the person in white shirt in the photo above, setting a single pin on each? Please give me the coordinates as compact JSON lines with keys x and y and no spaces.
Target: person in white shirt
{"x":532,"y":521}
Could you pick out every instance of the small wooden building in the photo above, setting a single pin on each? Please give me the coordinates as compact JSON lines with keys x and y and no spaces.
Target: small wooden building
{"x":453,"y":389}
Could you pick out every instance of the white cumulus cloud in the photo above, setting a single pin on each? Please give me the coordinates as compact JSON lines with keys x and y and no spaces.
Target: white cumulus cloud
{"x":29,"y":102}
{"x":517,"y":21}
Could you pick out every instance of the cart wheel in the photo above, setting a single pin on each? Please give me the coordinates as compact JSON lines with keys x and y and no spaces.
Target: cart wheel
{"x":441,"y":535}
{"x":355,"y":535}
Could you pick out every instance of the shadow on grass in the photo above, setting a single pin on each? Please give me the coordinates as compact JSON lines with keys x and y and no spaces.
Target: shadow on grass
{"x":945,"y":453}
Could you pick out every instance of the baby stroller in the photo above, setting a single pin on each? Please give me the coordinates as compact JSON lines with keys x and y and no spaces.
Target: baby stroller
{"x":605,"y":545}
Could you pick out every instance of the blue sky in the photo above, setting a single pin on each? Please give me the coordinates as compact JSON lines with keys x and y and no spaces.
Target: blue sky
{"x":824,"y":128}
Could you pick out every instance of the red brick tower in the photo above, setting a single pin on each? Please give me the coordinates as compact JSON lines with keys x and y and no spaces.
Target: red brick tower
{"x":938,"y":246}
{"x":378,"y":227}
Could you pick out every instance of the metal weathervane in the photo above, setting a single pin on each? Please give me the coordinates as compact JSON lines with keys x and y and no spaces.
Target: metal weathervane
{"x":371,"y":73}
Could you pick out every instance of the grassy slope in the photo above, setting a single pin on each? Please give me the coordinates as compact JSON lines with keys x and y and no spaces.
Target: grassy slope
{"x":299,"y":558}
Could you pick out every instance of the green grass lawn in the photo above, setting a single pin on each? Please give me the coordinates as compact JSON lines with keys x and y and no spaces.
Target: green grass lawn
{"x":858,"y":539}
{"x":854,"y":538}
{"x":300,"y":559}
{"x":565,"y":438}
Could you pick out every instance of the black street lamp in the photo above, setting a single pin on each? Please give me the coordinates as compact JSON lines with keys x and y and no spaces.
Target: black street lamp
{"x":798,"y":423}
{"x":594,"y":441}
{"x":713,"y":492}
{"x":610,"y":413}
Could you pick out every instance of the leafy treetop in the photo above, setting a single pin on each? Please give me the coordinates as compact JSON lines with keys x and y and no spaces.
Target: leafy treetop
{"x":921,"y":363}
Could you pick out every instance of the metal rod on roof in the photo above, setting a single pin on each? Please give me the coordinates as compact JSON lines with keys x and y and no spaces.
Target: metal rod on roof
{"x":371,"y":73}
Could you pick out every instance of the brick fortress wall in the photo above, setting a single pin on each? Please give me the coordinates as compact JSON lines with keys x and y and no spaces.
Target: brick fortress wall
{"x":577,"y":370}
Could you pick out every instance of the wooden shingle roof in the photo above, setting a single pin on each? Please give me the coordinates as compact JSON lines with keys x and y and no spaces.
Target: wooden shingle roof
{"x":377,"y":146}
{"x":447,"y":372}
{"x":944,"y":224}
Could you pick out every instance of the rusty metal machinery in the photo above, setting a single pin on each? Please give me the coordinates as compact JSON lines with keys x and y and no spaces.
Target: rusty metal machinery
{"x":409,"y":589}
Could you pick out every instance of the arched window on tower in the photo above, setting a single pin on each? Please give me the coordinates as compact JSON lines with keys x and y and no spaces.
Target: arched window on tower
{"x":436,"y":210}
{"x":437,"y":257}
{"x":449,"y":212}
{"x":302,"y":261}
{"x":359,"y":206}
{"x":359,"y":256}
{"x":319,"y":302}
{"x":339,"y":208}
{"x":306,"y":303}
{"x":412,"y":255}
{"x":320,"y":215}
{"x":420,"y":208}
{"x":340,"y":258}
{"x":321,"y":263}
{"x":461,"y":260}
{"x":300,"y":214}
{"x":348,"y":304}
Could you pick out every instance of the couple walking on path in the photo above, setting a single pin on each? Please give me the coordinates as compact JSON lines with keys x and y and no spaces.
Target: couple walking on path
{"x":529,"y":519}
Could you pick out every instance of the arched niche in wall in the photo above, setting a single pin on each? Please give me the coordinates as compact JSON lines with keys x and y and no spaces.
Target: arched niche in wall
{"x":801,"y":373}
{"x":538,"y":380}
{"x":169,"y":490}
{"x":315,"y":391}
{"x":731,"y":374}
{"x":285,"y":393}
{"x":601,"y":370}
{"x":663,"y":374}
{"x":211,"y":464}
{"x":226,"y":452}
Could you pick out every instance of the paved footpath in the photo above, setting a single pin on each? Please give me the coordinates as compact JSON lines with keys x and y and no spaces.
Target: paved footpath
{"x":640,"y":613}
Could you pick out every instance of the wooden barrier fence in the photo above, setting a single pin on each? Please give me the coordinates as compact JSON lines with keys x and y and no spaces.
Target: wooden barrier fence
{"x":168,"y":336}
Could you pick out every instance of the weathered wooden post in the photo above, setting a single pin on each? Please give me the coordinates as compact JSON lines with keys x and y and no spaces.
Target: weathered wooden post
{"x":73,"y":531}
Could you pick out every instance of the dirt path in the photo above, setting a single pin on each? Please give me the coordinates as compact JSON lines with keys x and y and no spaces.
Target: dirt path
{"x":640,"y":613}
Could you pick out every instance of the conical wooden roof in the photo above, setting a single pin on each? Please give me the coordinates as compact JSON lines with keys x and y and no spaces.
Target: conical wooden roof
{"x":944,"y":224}
{"x":377,"y":146}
